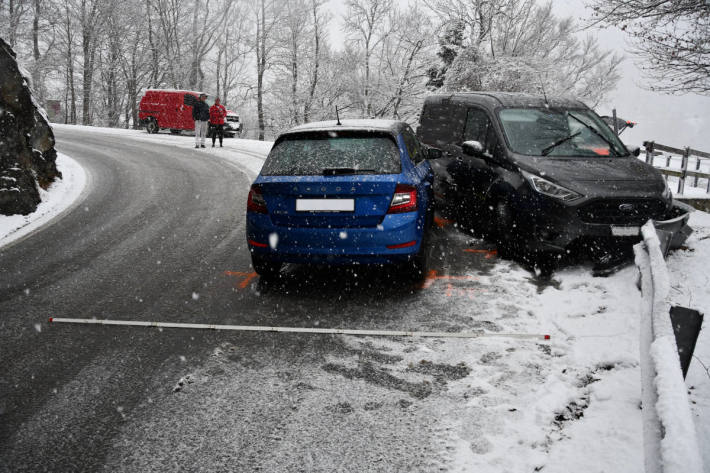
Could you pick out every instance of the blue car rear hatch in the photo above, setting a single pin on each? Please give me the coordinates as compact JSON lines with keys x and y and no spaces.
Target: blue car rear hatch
{"x":328,"y":201}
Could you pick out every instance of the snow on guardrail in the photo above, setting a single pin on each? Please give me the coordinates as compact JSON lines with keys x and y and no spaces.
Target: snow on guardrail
{"x":670,"y":442}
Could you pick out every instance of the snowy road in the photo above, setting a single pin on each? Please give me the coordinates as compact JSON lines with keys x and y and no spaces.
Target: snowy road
{"x":160,"y":236}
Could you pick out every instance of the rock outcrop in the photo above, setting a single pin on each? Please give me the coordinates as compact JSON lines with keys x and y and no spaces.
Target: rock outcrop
{"x":27,"y":154}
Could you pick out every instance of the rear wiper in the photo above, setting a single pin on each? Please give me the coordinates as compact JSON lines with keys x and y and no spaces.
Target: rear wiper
{"x":344,"y":171}
{"x":612,"y":148}
{"x":554,"y":145}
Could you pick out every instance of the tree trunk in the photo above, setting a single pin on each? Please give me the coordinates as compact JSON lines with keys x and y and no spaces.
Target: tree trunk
{"x":404,"y":79}
{"x":154,"y":73}
{"x":261,"y":67}
{"x":36,"y":66}
{"x":316,"y":63}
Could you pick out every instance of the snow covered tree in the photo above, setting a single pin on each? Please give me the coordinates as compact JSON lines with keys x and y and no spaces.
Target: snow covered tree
{"x":450,"y":44}
{"x":518,"y":45}
{"x":671,"y":38}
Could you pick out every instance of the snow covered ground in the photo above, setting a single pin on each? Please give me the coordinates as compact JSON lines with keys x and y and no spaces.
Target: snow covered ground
{"x":520,"y":405}
{"x":55,"y":201}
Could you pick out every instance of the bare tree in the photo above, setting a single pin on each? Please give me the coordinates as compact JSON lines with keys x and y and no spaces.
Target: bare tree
{"x":233,"y":47}
{"x":266,"y":19}
{"x":90,"y":20}
{"x":319,"y":22}
{"x":670,"y":38}
{"x":403,"y":63}
{"x":13,"y":19}
{"x":366,"y":21}
{"x":67,"y":44}
{"x":171,"y":16}
{"x":206,"y":23}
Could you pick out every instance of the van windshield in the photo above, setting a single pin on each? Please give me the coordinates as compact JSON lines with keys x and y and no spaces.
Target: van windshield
{"x":559,"y":132}
{"x":319,"y":153}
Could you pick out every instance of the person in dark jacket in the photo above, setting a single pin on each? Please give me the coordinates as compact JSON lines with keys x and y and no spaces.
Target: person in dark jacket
{"x":201,"y":115}
{"x":217,"y":115}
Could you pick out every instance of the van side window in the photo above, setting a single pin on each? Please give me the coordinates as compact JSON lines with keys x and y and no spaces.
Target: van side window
{"x":492,"y":144}
{"x":441,"y":124}
{"x":412,"y":145}
{"x":477,"y":125}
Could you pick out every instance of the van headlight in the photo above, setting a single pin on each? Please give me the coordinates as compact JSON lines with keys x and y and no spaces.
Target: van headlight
{"x":550,"y":189}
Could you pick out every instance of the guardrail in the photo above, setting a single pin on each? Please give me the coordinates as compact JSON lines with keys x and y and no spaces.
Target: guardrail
{"x":670,"y":442}
{"x":654,"y":149}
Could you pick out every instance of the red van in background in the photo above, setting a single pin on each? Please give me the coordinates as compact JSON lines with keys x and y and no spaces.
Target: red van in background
{"x":171,"y":109}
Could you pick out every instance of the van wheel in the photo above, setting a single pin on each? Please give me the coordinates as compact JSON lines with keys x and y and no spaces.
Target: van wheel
{"x":152,"y":127}
{"x":265,"y":269}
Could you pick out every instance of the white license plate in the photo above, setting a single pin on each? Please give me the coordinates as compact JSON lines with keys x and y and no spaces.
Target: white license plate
{"x":325,"y":205}
{"x":625,"y":231}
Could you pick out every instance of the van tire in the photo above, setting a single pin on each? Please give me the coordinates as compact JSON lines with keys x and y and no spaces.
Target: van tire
{"x":152,"y":126}
{"x":504,"y":230}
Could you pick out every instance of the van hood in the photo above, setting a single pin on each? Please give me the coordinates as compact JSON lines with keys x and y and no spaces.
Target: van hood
{"x":598,"y":176}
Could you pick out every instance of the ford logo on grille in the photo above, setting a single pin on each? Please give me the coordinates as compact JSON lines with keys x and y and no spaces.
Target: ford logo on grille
{"x":627,"y":207}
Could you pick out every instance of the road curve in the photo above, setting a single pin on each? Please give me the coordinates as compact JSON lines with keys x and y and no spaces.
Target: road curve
{"x":159,"y":235}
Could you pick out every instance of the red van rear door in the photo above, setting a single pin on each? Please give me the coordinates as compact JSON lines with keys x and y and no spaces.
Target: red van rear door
{"x":186,"y":112}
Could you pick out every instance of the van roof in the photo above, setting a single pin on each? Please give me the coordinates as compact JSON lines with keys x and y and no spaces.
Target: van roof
{"x":196,"y":92}
{"x":506,"y":99}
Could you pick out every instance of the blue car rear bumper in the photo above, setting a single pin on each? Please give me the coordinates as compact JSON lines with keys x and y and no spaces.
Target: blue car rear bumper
{"x":336,"y":245}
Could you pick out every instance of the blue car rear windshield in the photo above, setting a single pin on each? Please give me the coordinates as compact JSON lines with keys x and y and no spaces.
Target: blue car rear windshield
{"x":330,"y":152}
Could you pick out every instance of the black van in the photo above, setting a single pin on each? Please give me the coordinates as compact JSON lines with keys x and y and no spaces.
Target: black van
{"x":540,"y":171}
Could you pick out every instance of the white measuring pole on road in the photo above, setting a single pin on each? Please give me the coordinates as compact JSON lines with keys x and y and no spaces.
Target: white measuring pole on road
{"x":334,"y":331}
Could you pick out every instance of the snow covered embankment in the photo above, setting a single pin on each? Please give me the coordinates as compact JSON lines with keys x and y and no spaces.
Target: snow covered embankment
{"x":670,"y":443}
{"x":60,"y":196}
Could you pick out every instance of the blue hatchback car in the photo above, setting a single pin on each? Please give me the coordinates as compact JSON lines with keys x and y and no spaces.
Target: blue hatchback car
{"x":356,"y":192}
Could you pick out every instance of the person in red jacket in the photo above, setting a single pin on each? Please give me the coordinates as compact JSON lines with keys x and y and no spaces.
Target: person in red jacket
{"x":217,"y":116}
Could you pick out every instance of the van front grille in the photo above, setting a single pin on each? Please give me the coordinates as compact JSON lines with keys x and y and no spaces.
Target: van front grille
{"x":622,"y":211}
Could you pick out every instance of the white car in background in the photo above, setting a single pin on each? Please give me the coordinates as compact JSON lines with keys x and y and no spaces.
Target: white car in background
{"x":232,"y":125}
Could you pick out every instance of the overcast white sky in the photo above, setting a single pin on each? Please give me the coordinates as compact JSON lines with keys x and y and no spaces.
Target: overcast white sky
{"x":679,"y":121}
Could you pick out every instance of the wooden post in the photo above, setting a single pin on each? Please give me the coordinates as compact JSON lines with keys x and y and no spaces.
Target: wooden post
{"x":697,"y":168}
{"x":684,"y":169}
{"x":649,"y":152}
{"x":616,"y":124}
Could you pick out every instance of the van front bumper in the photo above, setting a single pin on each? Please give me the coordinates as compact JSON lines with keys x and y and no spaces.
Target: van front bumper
{"x":558,"y":231}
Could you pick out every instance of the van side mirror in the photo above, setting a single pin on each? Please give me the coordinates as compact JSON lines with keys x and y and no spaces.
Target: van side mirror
{"x":434,"y":153}
{"x":634,"y":150}
{"x":472,"y":148}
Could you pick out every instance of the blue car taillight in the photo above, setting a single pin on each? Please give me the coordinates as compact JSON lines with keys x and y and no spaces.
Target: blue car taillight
{"x":255,"y":201}
{"x":404,"y":199}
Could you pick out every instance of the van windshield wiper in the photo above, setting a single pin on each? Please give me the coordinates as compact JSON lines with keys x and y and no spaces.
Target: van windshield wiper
{"x":346,"y":171}
{"x":554,"y":145}
{"x":612,"y":148}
